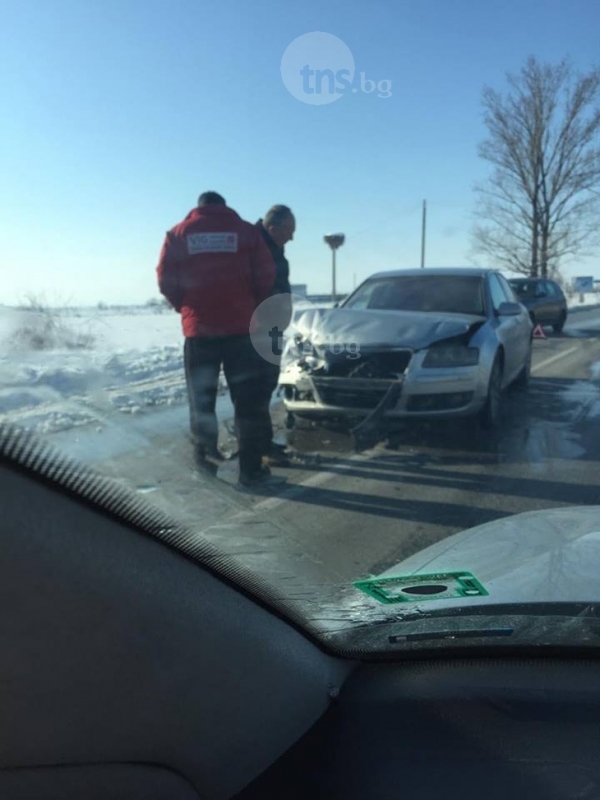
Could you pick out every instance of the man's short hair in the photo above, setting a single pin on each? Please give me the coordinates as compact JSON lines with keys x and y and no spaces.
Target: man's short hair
{"x":211,"y":199}
{"x":277,"y":215}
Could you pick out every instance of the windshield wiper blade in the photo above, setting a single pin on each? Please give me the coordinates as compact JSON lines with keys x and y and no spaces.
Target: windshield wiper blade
{"x":473,"y":633}
{"x":556,"y":609}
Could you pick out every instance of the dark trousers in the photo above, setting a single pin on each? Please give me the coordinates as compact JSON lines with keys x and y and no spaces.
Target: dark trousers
{"x":203,"y":358}
{"x":268,"y":384}
{"x":268,"y":378}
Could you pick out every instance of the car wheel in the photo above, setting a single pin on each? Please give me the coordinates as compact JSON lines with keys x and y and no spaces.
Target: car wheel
{"x":558,"y":327}
{"x":490,"y":416}
{"x":532,"y":318}
{"x":523,"y":377}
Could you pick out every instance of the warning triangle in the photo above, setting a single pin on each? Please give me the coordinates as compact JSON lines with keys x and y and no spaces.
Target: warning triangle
{"x":538,"y":332}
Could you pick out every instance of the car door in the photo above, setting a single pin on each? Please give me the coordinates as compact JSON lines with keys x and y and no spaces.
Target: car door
{"x":543,"y":304}
{"x":523,"y":343}
{"x":524,"y":322}
{"x":555,"y":306}
{"x":509,"y":329}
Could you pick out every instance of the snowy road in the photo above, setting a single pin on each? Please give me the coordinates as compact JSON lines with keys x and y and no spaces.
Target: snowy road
{"x":344,"y":516}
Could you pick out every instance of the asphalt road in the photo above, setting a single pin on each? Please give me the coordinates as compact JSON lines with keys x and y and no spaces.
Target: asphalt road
{"x":345,"y":516}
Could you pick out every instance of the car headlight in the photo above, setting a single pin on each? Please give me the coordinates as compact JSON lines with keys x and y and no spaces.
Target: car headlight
{"x":451,"y":356}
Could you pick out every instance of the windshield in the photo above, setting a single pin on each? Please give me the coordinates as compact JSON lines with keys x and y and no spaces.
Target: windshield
{"x":258,"y":271}
{"x":526,"y":289}
{"x":442,"y":295}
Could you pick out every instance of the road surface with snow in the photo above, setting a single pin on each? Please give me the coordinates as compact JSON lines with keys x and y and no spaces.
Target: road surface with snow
{"x":122,"y":409}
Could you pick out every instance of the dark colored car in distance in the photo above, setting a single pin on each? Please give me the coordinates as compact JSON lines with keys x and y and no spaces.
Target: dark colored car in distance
{"x":544,"y":299}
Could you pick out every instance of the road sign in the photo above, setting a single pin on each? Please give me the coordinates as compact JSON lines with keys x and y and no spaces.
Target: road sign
{"x":583,"y":284}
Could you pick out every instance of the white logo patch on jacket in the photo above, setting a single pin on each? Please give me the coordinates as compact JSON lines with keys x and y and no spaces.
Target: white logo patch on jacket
{"x":212,"y":243}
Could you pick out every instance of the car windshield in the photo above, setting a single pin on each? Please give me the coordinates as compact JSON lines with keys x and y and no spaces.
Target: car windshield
{"x":525,"y":289}
{"x":258,"y":263}
{"x":437,"y":294}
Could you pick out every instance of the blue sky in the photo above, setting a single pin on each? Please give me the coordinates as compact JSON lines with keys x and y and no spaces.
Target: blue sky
{"x":118,"y":113}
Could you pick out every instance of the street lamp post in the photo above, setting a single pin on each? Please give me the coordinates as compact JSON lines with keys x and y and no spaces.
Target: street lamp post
{"x":334,"y":240}
{"x":423,"y":228}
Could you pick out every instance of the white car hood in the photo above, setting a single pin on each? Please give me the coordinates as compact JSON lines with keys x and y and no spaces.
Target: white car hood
{"x":539,"y":557}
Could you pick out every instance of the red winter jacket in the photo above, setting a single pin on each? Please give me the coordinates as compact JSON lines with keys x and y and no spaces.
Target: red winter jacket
{"x":215,"y":269}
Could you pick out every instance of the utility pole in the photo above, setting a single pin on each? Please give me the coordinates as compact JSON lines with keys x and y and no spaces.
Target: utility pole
{"x":333,"y":276}
{"x":334,"y":240}
{"x":423,"y":229}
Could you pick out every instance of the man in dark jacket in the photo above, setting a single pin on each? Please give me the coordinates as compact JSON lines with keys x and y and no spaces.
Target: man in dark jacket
{"x":215,"y":269}
{"x":277,"y":228}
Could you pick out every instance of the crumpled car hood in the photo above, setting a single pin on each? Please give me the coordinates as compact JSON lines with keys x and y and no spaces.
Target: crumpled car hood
{"x":410,"y":329}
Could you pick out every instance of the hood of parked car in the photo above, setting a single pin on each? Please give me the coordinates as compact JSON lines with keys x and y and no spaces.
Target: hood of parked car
{"x":528,"y":579}
{"x":548,"y":556}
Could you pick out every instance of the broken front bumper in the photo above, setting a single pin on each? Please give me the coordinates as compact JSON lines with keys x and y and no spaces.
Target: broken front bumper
{"x":430,"y":393}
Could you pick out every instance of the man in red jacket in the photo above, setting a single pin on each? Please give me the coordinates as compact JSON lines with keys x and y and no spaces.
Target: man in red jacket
{"x":215,"y":269}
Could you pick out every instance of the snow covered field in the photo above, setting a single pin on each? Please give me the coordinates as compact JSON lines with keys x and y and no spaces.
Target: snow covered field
{"x":588,"y":300}
{"x":133,"y":367}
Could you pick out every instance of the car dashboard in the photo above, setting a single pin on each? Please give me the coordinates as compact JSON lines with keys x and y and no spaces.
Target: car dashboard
{"x":133,"y":666}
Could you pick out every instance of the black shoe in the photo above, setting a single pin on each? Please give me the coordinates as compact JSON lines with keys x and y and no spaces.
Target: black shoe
{"x":206,"y":466}
{"x":262,"y":478}
{"x":203,"y":463}
{"x":212,"y":453}
{"x":277,"y":455}
{"x":276,"y":460}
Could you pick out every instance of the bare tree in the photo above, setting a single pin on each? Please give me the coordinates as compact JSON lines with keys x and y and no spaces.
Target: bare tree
{"x":539,"y":205}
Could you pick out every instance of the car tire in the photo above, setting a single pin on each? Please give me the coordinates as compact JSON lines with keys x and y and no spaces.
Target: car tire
{"x":558,"y":327}
{"x":532,"y":318}
{"x":522,"y":380}
{"x":490,"y":416}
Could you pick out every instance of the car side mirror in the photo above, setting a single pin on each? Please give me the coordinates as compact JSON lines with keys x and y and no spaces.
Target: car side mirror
{"x":510,"y":310}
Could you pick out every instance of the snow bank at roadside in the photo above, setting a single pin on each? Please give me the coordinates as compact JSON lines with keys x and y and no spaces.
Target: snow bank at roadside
{"x":135,"y":365}
{"x":67,"y":390}
{"x":589,"y":301}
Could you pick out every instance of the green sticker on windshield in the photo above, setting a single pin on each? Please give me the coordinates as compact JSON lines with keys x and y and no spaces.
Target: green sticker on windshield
{"x":417,"y":588}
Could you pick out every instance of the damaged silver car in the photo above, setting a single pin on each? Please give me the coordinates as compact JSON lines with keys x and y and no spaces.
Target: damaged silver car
{"x":410,"y":344}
